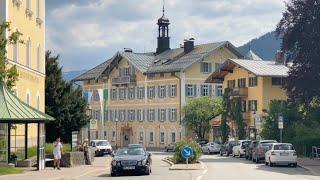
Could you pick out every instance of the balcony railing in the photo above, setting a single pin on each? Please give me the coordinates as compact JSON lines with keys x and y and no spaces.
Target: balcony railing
{"x":123,"y":80}
{"x":246,"y":115}
{"x":239,"y":92}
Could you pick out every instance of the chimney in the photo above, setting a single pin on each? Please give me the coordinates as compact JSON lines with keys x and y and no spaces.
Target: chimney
{"x":127,"y":50}
{"x":280,"y":57}
{"x":188,"y":45}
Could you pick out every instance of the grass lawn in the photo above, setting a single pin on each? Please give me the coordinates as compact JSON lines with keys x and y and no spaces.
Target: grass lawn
{"x":10,"y":170}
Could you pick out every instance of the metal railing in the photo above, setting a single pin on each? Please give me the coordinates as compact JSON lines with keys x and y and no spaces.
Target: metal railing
{"x":124,"y":80}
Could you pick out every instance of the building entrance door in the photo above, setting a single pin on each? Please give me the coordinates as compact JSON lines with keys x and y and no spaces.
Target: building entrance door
{"x":126,"y":137}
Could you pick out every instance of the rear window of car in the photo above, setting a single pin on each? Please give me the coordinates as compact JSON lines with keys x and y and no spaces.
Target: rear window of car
{"x":283,"y":147}
{"x":234,"y":143}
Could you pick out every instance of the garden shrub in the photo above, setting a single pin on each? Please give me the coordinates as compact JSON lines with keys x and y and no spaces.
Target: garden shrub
{"x":178,"y":158}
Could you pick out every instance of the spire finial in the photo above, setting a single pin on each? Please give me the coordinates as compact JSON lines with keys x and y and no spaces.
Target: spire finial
{"x":163,"y":7}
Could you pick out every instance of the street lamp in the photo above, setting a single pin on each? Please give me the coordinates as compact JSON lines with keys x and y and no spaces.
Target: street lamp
{"x":116,"y":133}
{"x":89,"y":114}
{"x":254,"y":125}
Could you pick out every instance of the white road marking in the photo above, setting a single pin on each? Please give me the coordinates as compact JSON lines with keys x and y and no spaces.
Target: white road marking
{"x":203,"y":173}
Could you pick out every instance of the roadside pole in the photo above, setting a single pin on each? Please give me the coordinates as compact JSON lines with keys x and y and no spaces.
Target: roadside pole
{"x":280,"y":126}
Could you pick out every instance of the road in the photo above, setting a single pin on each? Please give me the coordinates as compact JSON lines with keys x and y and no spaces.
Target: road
{"x":224,"y":168}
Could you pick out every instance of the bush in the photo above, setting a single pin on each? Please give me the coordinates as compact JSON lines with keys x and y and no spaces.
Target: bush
{"x":178,"y":158}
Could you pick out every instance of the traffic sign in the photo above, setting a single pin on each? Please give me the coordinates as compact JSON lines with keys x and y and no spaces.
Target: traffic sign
{"x":186,"y":152}
{"x":280,"y":122}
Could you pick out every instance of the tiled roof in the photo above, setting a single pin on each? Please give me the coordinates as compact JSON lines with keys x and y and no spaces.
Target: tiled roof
{"x":172,"y":60}
{"x":93,"y":73}
{"x":263,"y":68}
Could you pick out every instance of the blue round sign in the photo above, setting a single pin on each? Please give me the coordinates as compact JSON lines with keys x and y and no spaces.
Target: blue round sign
{"x":186,"y":152}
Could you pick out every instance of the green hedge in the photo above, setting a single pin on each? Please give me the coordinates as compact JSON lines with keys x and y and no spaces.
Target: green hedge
{"x":178,"y":158}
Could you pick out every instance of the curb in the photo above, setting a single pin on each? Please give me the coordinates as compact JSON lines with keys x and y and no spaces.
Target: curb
{"x":173,"y":168}
{"x":307,"y":169}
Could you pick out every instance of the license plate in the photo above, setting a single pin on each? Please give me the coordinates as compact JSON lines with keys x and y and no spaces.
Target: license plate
{"x":129,"y":167}
{"x":284,"y":154}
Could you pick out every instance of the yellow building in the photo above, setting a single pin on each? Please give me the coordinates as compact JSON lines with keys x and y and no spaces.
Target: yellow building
{"x":256,"y":83}
{"x":138,"y":97}
{"x":27,"y":17}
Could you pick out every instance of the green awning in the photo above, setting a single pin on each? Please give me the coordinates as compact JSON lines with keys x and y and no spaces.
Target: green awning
{"x":15,"y":110}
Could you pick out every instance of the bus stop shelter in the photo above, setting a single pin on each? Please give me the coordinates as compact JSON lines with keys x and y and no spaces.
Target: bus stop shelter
{"x":22,"y":130}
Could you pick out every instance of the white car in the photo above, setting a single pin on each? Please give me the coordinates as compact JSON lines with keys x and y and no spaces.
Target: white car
{"x":281,"y":153}
{"x":240,"y":148}
{"x":101,"y":147}
{"x":211,"y":147}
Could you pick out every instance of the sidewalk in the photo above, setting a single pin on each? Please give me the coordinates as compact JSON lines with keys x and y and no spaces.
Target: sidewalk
{"x":313,"y":165}
{"x":100,"y":165}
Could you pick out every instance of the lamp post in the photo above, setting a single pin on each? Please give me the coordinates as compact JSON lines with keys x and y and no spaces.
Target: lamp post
{"x":89,"y":114}
{"x":116,"y":133}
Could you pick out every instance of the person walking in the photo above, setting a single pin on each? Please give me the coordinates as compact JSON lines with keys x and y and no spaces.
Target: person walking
{"x":57,"y":151}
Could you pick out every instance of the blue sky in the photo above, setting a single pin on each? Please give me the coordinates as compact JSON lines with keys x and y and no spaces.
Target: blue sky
{"x":87,"y":32}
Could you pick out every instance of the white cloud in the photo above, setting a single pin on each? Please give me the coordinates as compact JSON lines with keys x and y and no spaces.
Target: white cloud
{"x":114,"y":24}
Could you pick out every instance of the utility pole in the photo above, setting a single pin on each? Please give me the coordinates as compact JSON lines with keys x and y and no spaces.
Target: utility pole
{"x":280,"y":126}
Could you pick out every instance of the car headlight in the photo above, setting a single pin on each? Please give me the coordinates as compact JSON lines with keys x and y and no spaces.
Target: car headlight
{"x":143,"y":162}
{"x":114,"y":163}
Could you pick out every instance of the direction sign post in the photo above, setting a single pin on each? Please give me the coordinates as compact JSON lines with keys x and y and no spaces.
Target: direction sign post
{"x":187,"y":152}
{"x":280,"y":126}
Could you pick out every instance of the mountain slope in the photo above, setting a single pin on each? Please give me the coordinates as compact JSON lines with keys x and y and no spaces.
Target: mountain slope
{"x":265,"y":46}
{"x":68,"y":76}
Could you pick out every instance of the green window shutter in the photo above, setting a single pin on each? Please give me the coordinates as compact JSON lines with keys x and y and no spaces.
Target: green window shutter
{"x":201,"y":67}
{"x":210,"y":67}
{"x":210,"y":90}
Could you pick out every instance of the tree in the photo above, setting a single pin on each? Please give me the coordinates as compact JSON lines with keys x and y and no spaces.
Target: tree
{"x":224,"y":116}
{"x":299,"y":29}
{"x":236,"y":115}
{"x":8,"y":75}
{"x":198,"y":113}
{"x":63,"y":102}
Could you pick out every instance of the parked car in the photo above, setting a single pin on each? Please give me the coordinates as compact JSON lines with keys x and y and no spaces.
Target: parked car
{"x":227,"y":148}
{"x":135,"y":146}
{"x":170,"y":147}
{"x":281,"y":153}
{"x":258,"y":153}
{"x":211,"y":147}
{"x":131,"y":161}
{"x":101,"y":147}
{"x":202,"y":142}
{"x":239,"y":150}
{"x":249,"y":148}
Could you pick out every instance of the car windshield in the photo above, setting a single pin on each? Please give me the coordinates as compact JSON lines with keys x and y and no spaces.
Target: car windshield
{"x":102,"y":143}
{"x":283,"y":147}
{"x":267,"y":143}
{"x":130,"y":152}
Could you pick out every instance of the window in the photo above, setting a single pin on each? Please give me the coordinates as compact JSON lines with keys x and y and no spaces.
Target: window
{"x":38,"y":8}
{"x":162,"y":75}
{"x":217,"y":66}
{"x":253,"y":81}
{"x":122,"y":115}
{"x":173,"y":90}
{"x":111,"y":115}
{"x":242,"y":82}
{"x":204,"y":90}
{"x":205,"y":67}
{"x":173,"y":114}
{"x":113,"y":136}
{"x":231,"y":84}
{"x":219,"y":90}
{"x":173,"y":137}
{"x":243,"y":106}
{"x":151,"y":137}
{"x":122,"y":93}
{"x":28,"y":99}
{"x":113,"y":94}
{"x":96,"y":96}
{"x":28,"y":5}
{"x":141,"y":93}
{"x":38,"y":102}
{"x":151,"y":92}
{"x":28,"y":55}
{"x":277,"y":81}
{"x":140,"y":115}
{"x":162,"y":114}
{"x":162,"y":91}
{"x":161,"y":137}
{"x":127,"y":71}
{"x":141,"y":136}
{"x":150,"y":76}
{"x":131,"y":115}
{"x":38,"y":58}
{"x":131,"y":93}
{"x":191,"y":90}
{"x":151,"y":115}
{"x":253,"y":105}
{"x":15,"y":52}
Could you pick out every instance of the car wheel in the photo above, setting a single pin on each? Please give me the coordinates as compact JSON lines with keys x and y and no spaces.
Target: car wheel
{"x":221,"y":153}
{"x":113,"y":174}
{"x":148,"y":171}
{"x":295,"y":165}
